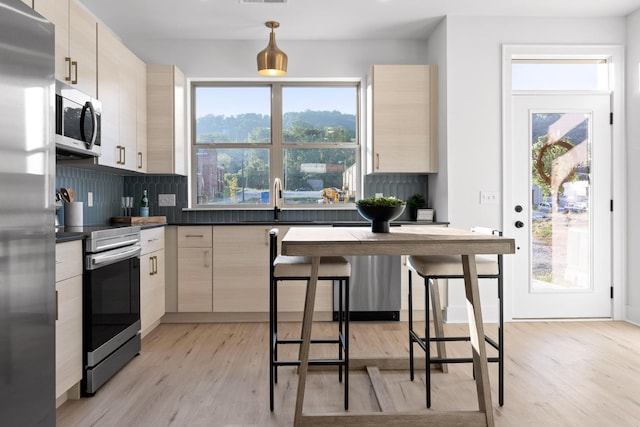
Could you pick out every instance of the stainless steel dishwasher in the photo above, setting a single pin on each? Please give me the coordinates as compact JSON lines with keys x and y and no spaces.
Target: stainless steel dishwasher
{"x":374,"y":288}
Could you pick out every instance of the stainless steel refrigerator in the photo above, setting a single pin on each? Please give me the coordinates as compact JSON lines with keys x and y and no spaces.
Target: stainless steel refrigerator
{"x":27,"y":234}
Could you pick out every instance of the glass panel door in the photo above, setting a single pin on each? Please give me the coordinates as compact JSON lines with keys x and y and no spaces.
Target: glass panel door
{"x":561,"y":189}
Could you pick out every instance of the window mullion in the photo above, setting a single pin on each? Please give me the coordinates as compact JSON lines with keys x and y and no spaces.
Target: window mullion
{"x":277,"y":149}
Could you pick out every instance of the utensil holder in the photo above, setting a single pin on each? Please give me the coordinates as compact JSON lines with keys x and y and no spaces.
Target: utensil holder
{"x":73,"y":214}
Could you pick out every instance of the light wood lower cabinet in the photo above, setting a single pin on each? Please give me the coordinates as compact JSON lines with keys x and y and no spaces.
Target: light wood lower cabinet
{"x":152,"y":279}
{"x":224,"y":270}
{"x":195,"y":269}
{"x":68,"y":318}
{"x":241,"y":274}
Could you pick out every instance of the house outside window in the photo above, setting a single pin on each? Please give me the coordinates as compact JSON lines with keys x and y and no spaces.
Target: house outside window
{"x":244,"y":135}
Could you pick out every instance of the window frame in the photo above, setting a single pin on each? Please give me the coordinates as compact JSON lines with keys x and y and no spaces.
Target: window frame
{"x":276,"y":147}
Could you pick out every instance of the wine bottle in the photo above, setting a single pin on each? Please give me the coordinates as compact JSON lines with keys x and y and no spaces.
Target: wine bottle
{"x":144,"y":204}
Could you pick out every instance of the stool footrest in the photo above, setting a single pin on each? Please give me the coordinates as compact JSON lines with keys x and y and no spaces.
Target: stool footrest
{"x":312,"y":362}
{"x":439,"y":360}
{"x":313,"y":341}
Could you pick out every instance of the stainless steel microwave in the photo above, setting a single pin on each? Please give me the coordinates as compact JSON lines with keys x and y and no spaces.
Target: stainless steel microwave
{"x":77,"y":122}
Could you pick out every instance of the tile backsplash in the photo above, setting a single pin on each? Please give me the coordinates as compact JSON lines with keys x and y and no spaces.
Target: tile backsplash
{"x":108,"y":189}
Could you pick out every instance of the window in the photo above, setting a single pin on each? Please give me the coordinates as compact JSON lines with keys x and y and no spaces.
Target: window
{"x":559,"y":74}
{"x":246,"y":135}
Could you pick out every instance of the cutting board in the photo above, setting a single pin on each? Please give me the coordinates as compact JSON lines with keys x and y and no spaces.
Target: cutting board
{"x":139,"y":220}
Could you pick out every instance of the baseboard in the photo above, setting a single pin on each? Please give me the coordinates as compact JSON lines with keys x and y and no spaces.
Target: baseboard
{"x":632,"y":315}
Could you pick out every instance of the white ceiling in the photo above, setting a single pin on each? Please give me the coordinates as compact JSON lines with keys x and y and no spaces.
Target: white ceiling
{"x":322,"y":19}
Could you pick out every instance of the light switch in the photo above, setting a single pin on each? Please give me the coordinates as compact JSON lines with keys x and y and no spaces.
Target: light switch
{"x":166,"y":199}
{"x":90,"y":199}
{"x":488,"y":197}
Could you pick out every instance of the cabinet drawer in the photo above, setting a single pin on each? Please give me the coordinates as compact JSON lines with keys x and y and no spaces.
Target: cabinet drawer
{"x":152,"y":240}
{"x":68,"y":260}
{"x":195,"y":237}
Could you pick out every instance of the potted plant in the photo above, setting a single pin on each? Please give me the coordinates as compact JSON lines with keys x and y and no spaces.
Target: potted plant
{"x":379,"y":211}
{"x":414,"y":203}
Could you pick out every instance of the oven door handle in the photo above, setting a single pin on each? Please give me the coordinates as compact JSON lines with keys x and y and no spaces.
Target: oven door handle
{"x":131,"y":241}
{"x":95,"y":261}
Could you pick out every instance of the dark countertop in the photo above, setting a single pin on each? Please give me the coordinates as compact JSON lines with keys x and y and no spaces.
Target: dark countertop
{"x":69,"y":234}
{"x":294,"y":223}
{"x":80,"y":233}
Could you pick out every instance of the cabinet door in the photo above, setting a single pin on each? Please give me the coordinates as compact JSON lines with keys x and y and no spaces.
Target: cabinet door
{"x":403,"y":118}
{"x":68,"y":334}
{"x":109,"y":94}
{"x":152,"y":297}
{"x":241,"y":269}
{"x":166,"y":120}
{"x":128,"y":97}
{"x":195,"y":279}
{"x":241,"y":274}
{"x":83,"y":48}
{"x":57,"y":11}
{"x":141,"y":115}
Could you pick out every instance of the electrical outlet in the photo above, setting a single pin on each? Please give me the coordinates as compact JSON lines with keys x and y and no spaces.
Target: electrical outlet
{"x":166,"y":199}
{"x":90,"y":199}
{"x":488,"y":198}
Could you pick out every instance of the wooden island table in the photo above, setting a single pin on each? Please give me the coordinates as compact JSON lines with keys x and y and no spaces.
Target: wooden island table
{"x":411,"y":240}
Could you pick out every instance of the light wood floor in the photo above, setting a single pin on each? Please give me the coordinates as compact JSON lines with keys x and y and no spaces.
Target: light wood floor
{"x":557,"y":374}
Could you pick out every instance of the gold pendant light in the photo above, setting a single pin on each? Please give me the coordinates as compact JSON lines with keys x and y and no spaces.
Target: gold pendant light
{"x":272,"y":61}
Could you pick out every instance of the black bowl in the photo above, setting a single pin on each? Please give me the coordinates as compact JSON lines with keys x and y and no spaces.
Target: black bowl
{"x":379,"y":216}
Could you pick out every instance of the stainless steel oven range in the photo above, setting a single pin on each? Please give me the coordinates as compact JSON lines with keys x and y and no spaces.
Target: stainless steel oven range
{"x":111,"y":303}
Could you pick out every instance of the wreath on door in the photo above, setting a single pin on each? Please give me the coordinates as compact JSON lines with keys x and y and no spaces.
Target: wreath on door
{"x":545,"y":153}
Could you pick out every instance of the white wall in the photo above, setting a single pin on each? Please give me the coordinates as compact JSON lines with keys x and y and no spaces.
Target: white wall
{"x":633,"y":171}
{"x":474,"y":113}
{"x":437,"y":54}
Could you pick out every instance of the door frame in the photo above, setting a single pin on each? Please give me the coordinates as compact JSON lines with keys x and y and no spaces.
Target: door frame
{"x":614,"y":54}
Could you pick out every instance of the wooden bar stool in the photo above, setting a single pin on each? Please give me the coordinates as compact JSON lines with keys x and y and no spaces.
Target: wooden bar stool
{"x":432,"y":268}
{"x":284,"y":268}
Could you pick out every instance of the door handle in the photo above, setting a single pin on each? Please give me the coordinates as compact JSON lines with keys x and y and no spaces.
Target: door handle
{"x":519,"y":224}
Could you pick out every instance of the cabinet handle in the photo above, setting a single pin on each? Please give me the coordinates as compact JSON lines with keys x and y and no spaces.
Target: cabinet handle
{"x":377,"y":160}
{"x":139,"y":160}
{"x":155,"y":265}
{"x":67,"y":78}
{"x":124,"y":155}
{"x":151,"y":273}
{"x":57,"y":305}
{"x":194,"y":235}
{"x":206,"y":259}
{"x":75,"y":66}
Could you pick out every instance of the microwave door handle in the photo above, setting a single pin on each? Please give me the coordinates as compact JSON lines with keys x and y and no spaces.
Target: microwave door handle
{"x":94,"y":121}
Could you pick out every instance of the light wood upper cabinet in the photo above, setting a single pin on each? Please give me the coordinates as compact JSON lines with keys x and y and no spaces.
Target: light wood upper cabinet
{"x":402,"y":119}
{"x":68,"y":316}
{"x":75,"y":42}
{"x":166,"y":120}
{"x":120,"y":72}
{"x":141,"y":115}
{"x":195,"y":269}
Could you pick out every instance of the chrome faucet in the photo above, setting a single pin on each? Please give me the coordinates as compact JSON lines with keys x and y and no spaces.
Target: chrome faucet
{"x":277,"y":193}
